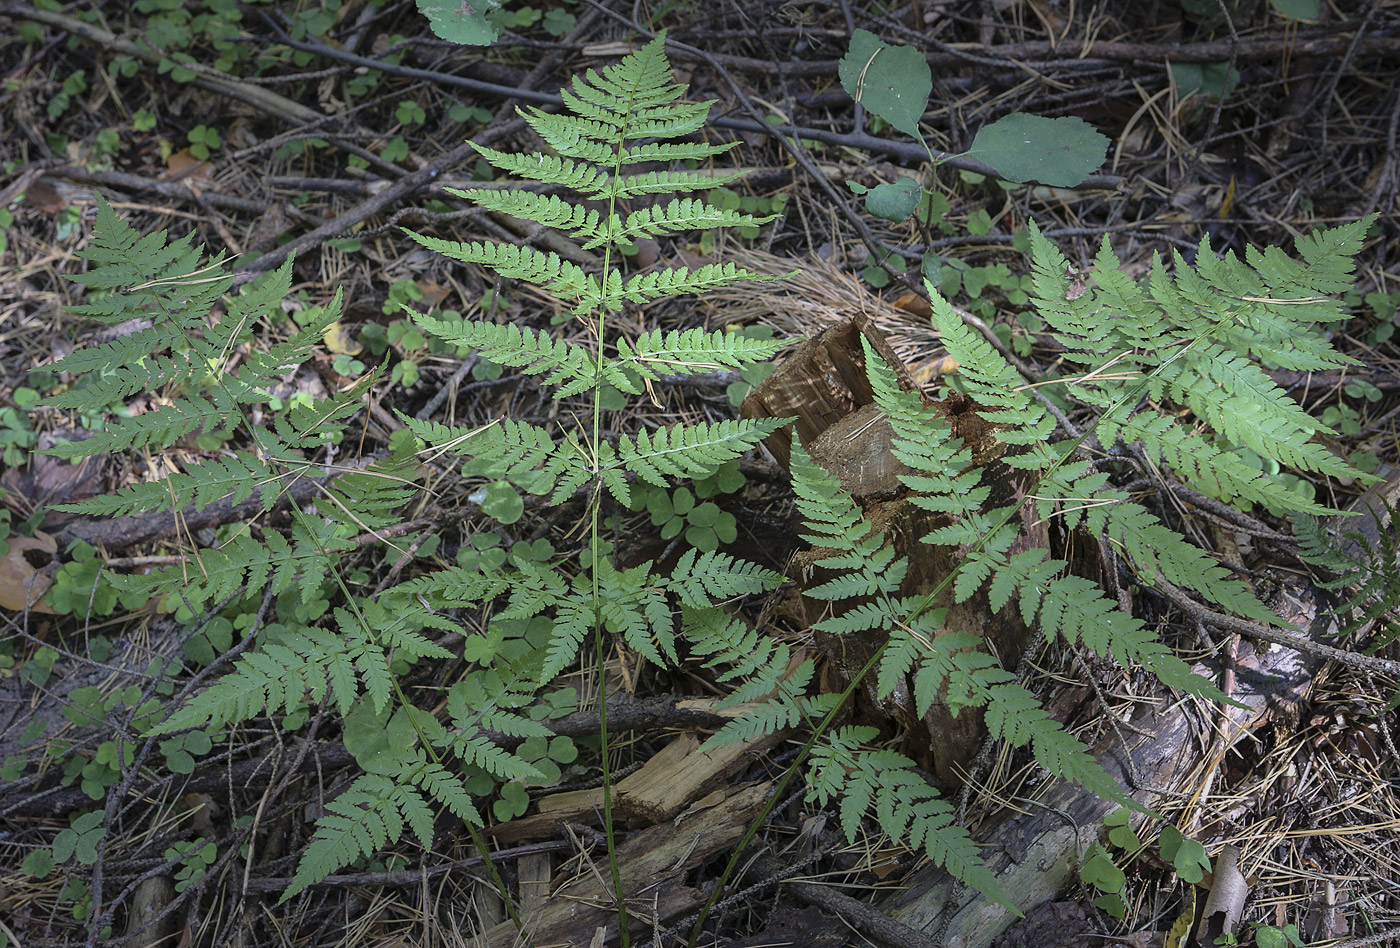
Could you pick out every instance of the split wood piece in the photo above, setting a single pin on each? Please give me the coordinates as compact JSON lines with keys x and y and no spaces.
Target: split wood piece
{"x":824,"y":385}
{"x":820,"y":384}
{"x":672,"y":780}
{"x":534,"y":872}
{"x":653,"y":864}
{"x":1036,"y":854}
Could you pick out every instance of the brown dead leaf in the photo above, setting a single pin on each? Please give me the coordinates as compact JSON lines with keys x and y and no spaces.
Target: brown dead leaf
{"x":184,"y":166}
{"x":915,"y":304}
{"x":21,"y":585}
{"x":47,"y":481}
{"x":44,"y":196}
{"x":433,"y":294}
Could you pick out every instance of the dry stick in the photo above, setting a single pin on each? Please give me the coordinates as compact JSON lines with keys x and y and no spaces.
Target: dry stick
{"x":906,"y":151}
{"x":407,"y":877}
{"x":1259,"y":630}
{"x":170,"y":190}
{"x":264,"y":99}
{"x":863,"y":918}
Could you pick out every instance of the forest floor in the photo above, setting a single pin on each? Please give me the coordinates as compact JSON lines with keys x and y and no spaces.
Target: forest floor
{"x":322,"y":128}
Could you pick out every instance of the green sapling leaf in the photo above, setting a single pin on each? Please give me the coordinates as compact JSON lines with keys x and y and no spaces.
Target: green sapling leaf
{"x":893,"y":82}
{"x":1060,"y":152}
{"x":894,"y":202}
{"x":931,"y":268}
{"x":460,"y":21}
{"x":1296,"y":9}
{"x":501,"y":502}
{"x":1185,"y":854}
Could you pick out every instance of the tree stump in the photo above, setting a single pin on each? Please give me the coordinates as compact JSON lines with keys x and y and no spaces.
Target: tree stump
{"x":824,"y":386}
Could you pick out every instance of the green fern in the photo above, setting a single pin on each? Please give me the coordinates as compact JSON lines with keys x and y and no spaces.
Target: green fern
{"x":1193,"y":396}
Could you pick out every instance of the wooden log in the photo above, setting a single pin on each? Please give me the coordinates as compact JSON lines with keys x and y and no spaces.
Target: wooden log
{"x":673,"y":779}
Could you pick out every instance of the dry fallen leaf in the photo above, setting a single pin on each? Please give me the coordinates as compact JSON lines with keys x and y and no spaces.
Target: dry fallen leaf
{"x":339,"y":341}
{"x":21,"y":584}
{"x":183,"y":166}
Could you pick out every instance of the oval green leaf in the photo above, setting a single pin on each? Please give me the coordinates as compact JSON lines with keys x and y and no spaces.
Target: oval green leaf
{"x":1060,"y":152}
{"x":893,"y":82}
{"x":894,"y":202}
{"x":460,"y":21}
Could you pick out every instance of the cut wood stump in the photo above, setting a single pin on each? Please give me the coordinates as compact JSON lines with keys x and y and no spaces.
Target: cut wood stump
{"x":825,"y":387}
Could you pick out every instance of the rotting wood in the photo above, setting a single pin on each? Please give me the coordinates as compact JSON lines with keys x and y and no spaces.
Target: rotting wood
{"x":534,"y":872}
{"x":673,"y":779}
{"x":652,"y":863}
{"x":825,"y":387}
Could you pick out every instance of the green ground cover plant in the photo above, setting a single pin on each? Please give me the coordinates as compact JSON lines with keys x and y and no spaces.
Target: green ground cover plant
{"x":1170,"y":366}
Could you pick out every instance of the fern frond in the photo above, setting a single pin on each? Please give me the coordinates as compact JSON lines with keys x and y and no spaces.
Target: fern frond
{"x":370,"y":814}
{"x":788,"y":710}
{"x":724,"y":640}
{"x":699,"y":579}
{"x":670,"y":181}
{"x":580,"y":176}
{"x":1240,"y":401}
{"x":571,"y":369}
{"x":456,"y":586}
{"x":160,"y":427}
{"x":645,"y":287}
{"x":632,"y":605}
{"x":681,"y":214}
{"x":119,"y":383}
{"x":124,"y":350}
{"x":573,"y":621}
{"x":447,"y":789}
{"x":830,"y":514}
{"x":239,"y":563}
{"x":885,"y":785}
{"x":1153,"y":548}
{"x":552,"y":211}
{"x":517,"y":449}
{"x":1216,"y":473}
{"x":238,"y":476}
{"x":567,"y":281}
{"x":279,"y":676}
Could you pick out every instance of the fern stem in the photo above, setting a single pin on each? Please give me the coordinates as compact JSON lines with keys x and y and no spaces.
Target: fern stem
{"x":599,"y":645}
